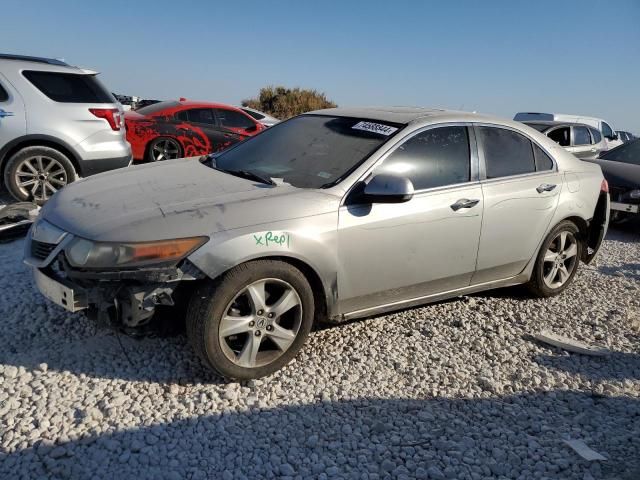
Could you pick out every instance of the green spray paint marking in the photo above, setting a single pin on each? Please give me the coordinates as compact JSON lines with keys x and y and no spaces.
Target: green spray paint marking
{"x":271,"y":238}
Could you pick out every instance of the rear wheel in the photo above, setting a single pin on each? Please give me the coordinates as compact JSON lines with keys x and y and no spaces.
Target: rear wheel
{"x":164,"y":148}
{"x":36,"y":173}
{"x":557,"y":261}
{"x":253,"y":320}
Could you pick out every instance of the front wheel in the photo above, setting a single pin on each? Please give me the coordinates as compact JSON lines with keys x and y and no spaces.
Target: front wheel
{"x":557,"y":261}
{"x":253,"y":320}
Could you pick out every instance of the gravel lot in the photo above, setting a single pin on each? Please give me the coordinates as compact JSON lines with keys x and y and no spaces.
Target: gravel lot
{"x":453,"y":390}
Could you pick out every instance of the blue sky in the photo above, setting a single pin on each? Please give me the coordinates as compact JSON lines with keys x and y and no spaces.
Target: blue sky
{"x":491,"y":56}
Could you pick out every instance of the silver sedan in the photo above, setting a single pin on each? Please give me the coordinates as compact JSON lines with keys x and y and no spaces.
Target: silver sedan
{"x":329,"y":216}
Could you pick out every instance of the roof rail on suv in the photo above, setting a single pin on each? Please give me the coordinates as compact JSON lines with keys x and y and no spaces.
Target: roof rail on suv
{"x":27,"y":58}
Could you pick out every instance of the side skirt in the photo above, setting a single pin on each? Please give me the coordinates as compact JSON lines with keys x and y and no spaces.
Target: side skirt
{"x":413,"y":302}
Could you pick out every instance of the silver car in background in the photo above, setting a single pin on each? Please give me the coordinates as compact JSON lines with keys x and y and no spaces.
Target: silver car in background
{"x":583,"y":141}
{"x":332,"y":215}
{"x":57,"y":122}
{"x":264,"y":118}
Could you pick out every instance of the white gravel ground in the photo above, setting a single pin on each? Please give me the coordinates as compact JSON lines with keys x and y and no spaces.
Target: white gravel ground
{"x":453,"y":390}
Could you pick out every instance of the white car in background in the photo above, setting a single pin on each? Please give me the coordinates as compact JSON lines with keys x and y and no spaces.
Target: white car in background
{"x":611,"y":138}
{"x":264,"y":118}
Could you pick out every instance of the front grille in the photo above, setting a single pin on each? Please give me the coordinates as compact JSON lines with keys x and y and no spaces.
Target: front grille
{"x":41,"y":250}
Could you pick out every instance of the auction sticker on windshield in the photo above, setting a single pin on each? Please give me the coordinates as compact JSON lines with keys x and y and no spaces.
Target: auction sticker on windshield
{"x":385,"y":130}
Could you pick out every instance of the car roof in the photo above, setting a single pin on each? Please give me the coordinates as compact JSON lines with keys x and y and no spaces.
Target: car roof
{"x":550,"y":123}
{"x":415,"y":116}
{"x":28,"y":58}
{"x":196,"y":103}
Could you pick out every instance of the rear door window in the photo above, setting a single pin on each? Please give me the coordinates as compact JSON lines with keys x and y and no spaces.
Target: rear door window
{"x":233,"y":119}
{"x":202,"y":115}
{"x":506,"y":152}
{"x":433,"y":158}
{"x":597,"y":136}
{"x":581,"y":136}
{"x":69,"y":87}
{"x":561,"y":136}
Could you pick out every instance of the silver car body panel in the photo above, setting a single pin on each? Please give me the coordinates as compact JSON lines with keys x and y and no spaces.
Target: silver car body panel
{"x":369,"y":259}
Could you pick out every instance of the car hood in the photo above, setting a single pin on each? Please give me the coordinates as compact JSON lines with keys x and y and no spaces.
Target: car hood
{"x":173,"y":199}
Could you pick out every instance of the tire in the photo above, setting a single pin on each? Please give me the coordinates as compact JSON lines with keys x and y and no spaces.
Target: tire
{"x":46,"y":167}
{"x":544,"y":283}
{"x":230,"y":304}
{"x":163,"y":148}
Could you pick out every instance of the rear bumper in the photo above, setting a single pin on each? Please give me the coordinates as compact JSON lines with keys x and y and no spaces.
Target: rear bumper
{"x":91,"y":167}
{"x":597,"y":227}
{"x":625,"y":207}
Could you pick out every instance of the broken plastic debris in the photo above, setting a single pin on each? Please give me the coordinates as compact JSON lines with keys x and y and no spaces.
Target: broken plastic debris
{"x":569,"y":344}
{"x":583,"y":450}
{"x":15,"y":219}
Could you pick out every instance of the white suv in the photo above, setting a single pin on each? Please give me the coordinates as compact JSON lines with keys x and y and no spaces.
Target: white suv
{"x":611,"y":138}
{"x":57,"y":122}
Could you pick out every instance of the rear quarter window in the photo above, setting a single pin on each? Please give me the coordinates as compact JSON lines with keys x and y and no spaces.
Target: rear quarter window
{"x":69,"y":87}
{"x":4,"y":96}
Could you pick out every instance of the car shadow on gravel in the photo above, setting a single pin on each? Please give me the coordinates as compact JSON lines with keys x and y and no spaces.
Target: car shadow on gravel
{"x":617,"y":366}
{"x":629,"y":270}
{"x":519,"y":436}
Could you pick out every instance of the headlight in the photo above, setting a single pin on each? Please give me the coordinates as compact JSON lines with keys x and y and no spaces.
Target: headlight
{"x":87,"y":254}
{"x":635,"y":194}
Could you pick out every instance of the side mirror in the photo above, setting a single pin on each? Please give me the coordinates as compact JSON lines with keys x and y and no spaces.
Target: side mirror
{"x":386,"y":188}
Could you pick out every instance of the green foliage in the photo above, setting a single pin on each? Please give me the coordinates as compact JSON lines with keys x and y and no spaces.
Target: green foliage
{"x":283,"y":103}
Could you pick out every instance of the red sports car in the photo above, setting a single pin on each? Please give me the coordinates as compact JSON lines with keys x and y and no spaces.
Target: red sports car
{"x":171,"y":129}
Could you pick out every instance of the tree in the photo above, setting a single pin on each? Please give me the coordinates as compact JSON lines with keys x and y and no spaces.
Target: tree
{"x":282,"y":102}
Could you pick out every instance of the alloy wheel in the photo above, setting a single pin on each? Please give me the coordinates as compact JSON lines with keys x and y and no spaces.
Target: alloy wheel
{"x":260,"y":323}
{"x":39,"y":177}
{"x":165,"y":149}
{"x":560,"y":259}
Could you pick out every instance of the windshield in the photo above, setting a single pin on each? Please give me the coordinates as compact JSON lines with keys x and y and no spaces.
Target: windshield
{"x":309,"y":151}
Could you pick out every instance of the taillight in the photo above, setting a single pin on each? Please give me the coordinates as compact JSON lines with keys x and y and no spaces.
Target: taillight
{"x":111,"y":115}
{"x":604,"y":186}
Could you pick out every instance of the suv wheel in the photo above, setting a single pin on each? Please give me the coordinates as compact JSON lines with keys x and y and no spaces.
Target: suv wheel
{"x":253,"y":320}
{"x":36,"y":173}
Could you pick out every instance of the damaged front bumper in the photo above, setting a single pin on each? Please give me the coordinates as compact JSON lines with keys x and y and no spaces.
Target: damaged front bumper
{"x":122,"y":297}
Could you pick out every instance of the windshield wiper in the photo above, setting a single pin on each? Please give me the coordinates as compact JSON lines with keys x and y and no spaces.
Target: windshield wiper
{"x":248,"y":175}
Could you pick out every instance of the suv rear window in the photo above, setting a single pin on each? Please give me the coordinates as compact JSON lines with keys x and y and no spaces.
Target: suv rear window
{"x":69,"y":87}
{"x":4,"y":96}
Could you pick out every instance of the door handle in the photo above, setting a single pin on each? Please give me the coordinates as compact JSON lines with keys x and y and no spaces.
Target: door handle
{"x":464,"y":203}
{"x":545,"y":187}
{"x":4,"y":113}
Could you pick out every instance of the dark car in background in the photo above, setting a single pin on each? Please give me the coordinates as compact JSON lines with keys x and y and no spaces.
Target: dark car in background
{"x":176,"y":129}
{"x":584,"y":141}
{"x":626,"y":137}
{"x":621,"y":169}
